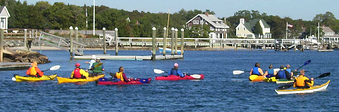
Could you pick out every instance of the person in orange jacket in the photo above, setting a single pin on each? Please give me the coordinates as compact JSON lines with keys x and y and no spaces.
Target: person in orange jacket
{"x":302,"y":81}
{"x":34,"y":71}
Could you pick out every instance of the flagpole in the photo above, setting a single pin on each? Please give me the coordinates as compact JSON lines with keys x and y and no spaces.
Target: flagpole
{"x":286,"y":29}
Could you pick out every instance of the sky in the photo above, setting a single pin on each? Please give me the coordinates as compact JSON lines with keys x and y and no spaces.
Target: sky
{"x":295,"y":9}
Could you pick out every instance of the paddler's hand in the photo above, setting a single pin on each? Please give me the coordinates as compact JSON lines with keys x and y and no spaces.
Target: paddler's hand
{"x":312,"y":79}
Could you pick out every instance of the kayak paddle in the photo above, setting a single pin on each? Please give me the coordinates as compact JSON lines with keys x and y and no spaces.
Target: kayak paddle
{"x":158,"y":71}
{"x":307,"y":62}
{"x":56,"y":67}
{"x":286,"y":86}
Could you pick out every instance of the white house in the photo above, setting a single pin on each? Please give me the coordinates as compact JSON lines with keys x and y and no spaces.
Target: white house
{"x":328,"y":31}
{"x":218,"y":27}
{"x":244,"y":29}
{"x":4,"y":15}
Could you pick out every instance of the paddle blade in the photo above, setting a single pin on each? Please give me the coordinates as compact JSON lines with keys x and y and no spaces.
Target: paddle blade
{"x":285,"y":86}
{"x":158,"y":71}
{"x":56,"y":67}
{"x":196,"y":76}
{"x":324,"y":75}
{"x":237,"y":72}
{"x":307,"y":62}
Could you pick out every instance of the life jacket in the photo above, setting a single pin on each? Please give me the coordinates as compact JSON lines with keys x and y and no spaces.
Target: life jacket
{"x":97,"y":69}
{"x":289,"y":70}
{"x":300,"y":81}
{"x":255,"y":71}
{"x":270,"y":73}
{"x":33,"y":72}
{"x":281,"y":74}
{"x":119,"y":76}
{"x":174,"y":71}
{"x":77,"y":73}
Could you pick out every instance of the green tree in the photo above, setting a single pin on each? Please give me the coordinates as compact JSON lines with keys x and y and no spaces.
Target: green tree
{"x":257,"y":29}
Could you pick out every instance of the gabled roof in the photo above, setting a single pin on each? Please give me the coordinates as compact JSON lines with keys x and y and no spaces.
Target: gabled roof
{"x":327,"y":29}
{"x":4,"y":11}
{"x":211,"y":19}
{"x":250,"y":24}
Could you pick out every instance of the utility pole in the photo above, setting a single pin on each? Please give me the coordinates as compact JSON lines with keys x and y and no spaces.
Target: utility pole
{"x":93,"y":17}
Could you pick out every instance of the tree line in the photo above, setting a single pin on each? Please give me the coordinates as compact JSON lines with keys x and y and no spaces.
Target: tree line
{"x":43,"y":15}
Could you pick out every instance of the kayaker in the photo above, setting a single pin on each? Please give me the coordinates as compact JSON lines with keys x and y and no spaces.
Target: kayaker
{"x":91,"y":62}
{"x":283,"y":74}
{"x":121,"y":75}
{"x":79,"y":73}
{"x":256,"y":70}
{"x":176,"y":71}
{"x":270,"y":72}
{"x":34,"y":71}
{"x":302,"y":81}
{"x":97,"y":68}
{"x":288,"y":68}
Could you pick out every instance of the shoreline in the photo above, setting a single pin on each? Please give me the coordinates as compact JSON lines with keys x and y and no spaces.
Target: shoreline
{"x":226,"y":48}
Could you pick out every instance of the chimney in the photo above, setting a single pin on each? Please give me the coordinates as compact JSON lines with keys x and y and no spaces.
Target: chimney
{"x":206,"y":14}
{"x":242,"y":21}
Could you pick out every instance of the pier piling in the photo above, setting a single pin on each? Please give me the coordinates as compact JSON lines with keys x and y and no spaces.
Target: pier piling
{"x":71,"y":42}
{"x":1,"y":45}
{"x":116,"y":41}
{"x":182,"y":41}
{"x":104,"y":38}
{"x":172,"y":41}
{"x":164,"y":42}
{"x":176,"y":42}
{"x":154,"y":45}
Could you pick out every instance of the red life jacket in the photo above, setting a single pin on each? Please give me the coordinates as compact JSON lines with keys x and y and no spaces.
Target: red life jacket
{"x":77,"y":73}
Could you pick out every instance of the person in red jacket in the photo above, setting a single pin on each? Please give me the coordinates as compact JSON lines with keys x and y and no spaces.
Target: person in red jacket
{"x":79,"y":73}
{"x":34,"y":71}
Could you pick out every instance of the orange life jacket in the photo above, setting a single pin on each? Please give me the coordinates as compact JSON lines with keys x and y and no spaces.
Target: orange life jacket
{"x":300,"y":82}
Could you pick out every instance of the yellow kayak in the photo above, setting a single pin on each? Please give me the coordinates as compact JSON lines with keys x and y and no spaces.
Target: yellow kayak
{"x":271,"y":79}
{"x":69,"y":80}
{"x":18,"y":78}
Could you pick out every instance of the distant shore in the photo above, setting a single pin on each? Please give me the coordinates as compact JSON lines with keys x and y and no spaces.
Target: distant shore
{"x":226,"y":48}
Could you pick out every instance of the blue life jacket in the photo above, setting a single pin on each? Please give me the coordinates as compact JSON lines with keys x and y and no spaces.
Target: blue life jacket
{"x":281,"y":74}
{"x":289,"y":70}
{"x":255,"y":71}
{"x":270,"y":73}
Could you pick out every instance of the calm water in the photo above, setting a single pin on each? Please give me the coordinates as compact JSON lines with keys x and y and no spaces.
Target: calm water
{"x":219,"y":91}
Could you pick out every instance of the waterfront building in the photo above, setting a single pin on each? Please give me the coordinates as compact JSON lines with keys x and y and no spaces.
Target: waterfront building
{"x":245,"y":29}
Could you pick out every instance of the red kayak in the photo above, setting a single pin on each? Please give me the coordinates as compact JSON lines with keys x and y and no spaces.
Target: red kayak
{"x":105,"y":81}
{"x":187,"y":77}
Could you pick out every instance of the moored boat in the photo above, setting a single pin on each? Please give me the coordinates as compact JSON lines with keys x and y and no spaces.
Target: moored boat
{"x":168,"y":50}
{"x":105,"y":81}
{"x":18,"y":78}
{"x":72,"y":80}
{"x":312,"y":89}
{"x":187,"y":77}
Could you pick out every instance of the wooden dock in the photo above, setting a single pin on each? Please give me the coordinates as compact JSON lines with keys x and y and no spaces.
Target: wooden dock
{"x":109,"y":57}
{"x":14,"y":66}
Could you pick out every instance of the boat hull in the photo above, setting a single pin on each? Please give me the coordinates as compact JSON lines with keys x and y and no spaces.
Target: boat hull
{"x":174,"y":77}
{"x":168,"y":50}
{"x":306,"y":90}
{"x":105,"y":81}
{"x":34,"y":79}
{"x":69,"y":80}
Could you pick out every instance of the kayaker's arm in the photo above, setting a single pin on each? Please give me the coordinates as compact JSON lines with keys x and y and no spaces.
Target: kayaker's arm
{"x":260,"y":71}
{"x":288,"y":76}
{"x":180,"y":73}
{"x":251,"y":71}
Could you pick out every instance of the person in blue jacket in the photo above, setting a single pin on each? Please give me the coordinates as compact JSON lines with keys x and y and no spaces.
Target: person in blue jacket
{"x":283,"y":74}
{"x":270,"y":72}
{"x":176,"y":71}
